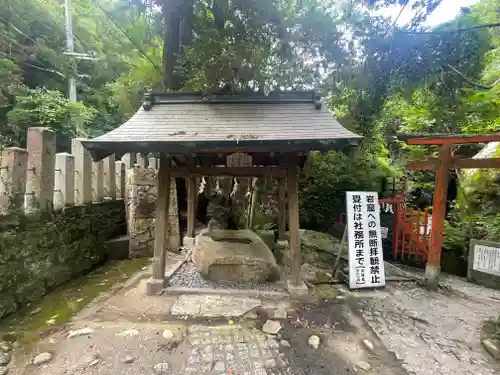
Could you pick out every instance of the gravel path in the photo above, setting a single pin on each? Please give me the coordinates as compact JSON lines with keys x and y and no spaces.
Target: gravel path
{"x":187,"y":276}
{"x":435,"y":333}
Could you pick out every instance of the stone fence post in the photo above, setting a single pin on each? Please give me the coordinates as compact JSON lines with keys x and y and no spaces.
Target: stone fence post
{"x":109,"y":178}
{"x":120,"y":179}
{"x":97,"y":182}
{"x":40,"y":169}
{"x":64,"y":184}
{"x":13,"y":162}
{"x":153,"y":162}
{"x":142,"y":160}
{"x":129,"y":160}
{"x":83,"y":173}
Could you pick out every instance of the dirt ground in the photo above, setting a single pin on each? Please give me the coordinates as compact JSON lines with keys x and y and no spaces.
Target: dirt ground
{"x":131,"y":333}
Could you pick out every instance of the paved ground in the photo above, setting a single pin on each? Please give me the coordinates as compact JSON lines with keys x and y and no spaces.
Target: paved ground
{"x":435,"y":332}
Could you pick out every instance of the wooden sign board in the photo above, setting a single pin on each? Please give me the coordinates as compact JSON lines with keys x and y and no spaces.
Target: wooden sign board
{"x":239,"y":159}
{"x":366,"y":261}
{"x":484,"y":263}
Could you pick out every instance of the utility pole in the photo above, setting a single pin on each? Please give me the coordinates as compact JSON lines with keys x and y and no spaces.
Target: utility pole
{"x":70,"y":48}
{"x":70,"y":45}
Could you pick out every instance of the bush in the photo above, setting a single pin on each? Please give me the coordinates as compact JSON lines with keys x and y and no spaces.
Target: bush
{"x":325,"y":179}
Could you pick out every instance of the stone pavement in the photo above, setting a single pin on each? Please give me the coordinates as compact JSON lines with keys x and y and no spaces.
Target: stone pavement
{"x":435,"y":332}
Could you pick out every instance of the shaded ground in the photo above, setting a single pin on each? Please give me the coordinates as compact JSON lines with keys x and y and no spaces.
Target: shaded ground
{"x":127,"y":328}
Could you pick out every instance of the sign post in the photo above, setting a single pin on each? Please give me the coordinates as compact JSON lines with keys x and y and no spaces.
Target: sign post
{"x":366,"y":262}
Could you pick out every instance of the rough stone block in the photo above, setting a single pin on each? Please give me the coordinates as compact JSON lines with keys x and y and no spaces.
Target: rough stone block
{"x":188,"y":242}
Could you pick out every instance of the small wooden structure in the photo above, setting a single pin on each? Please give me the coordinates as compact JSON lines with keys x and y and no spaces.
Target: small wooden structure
{"x":442,"y":164}
{"x":194,"y":135}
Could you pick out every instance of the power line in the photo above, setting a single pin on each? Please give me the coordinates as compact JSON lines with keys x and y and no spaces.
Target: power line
{"x":141,"y":51}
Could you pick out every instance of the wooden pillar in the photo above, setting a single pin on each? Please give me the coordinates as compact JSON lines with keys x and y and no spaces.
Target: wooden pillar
{"x":294,"y":226}
{"x":281,"y":209}
{"x":191,"y":206}
{"x":433,"y":266}
{"x":161,"y":227}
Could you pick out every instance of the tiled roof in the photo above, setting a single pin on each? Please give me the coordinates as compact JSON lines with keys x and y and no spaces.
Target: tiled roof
{"x":226,"y":121}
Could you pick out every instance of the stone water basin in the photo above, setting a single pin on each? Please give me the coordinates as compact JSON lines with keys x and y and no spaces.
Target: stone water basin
{"x":234,"y":255}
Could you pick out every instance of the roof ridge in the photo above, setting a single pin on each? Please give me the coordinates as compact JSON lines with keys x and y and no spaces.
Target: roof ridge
{"x":275,"y":97}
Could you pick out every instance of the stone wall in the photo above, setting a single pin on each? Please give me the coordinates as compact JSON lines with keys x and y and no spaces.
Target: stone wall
{"x":39,"y":253}
{"x":140,"y":196}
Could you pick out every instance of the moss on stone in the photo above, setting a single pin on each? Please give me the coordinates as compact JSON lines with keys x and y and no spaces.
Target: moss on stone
{"x":57,"y":307}
{"x":38,"y":254}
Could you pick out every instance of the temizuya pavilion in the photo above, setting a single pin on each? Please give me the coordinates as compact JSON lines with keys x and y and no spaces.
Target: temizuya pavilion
{"x":194,"y":135}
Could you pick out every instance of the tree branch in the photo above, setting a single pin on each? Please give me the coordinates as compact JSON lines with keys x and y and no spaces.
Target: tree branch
{"x":476,"y":84}
{"x":465,"y":29}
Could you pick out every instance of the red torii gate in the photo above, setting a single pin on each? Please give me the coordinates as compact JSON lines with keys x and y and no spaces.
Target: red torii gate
{"x":442,"y":164}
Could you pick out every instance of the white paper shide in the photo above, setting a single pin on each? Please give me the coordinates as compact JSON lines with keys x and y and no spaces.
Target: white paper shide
{"x":366,"y":262}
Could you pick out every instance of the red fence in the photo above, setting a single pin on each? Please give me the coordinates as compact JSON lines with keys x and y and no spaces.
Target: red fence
{"x":411,"y":231}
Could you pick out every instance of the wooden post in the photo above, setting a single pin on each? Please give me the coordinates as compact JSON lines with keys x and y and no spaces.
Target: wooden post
{"x":191,"y":201}
{"x":433,"y":266}
{"x":293,"y":220}
{"x":281,"y":209}
{"x":161,"y":230}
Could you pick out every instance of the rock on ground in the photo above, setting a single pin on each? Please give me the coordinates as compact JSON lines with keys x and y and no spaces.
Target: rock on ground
{"x":272,"y":327}
{"x":4,"y":358}
{"x":80,"y":332}
{"x":362,"y":365}
{"x":42,"y":358}
{"x":314,"y":342}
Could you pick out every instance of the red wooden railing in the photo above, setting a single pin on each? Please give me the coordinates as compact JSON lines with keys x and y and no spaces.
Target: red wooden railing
{"x":410,"y":235}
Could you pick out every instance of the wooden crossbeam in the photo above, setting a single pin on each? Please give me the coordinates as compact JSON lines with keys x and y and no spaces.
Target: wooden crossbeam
{"x":278,"y":172}
{"x":457,"y":163}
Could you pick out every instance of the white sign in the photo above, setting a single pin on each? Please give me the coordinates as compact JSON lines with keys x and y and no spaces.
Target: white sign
{"x":366,"y":261}
{"x":384,"y":231}
{"x":486,"y":259}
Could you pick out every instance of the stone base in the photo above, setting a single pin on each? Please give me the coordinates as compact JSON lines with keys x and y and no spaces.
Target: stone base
{"x":154,"y":286}
{"x":432,"y":276}
{"x":188,"y":242}
{"x":299,"y":290}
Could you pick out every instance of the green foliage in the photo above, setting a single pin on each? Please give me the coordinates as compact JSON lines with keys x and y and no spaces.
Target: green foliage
{"x":37,"y":107}
{"x":326,"y":178}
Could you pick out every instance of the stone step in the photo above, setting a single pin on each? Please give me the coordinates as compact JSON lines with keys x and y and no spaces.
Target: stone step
{"x":118,"y":248}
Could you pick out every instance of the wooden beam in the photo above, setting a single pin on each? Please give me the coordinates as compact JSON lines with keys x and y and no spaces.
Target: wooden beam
{"x":476,"y":163}
{"x":449,"y":139}
{"x":456,"y":163}
{"x":423,"y":165}
{"x":293,"y":222}
{"x":162,"y":210}
{"x":228,"y":171}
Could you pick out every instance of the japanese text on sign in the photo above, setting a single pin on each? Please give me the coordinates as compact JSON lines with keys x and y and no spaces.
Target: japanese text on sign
{"x":366,"y":263}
